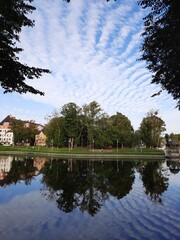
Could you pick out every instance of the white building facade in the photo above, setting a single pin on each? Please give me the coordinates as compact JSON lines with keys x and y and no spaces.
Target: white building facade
{"x":6,"y":137}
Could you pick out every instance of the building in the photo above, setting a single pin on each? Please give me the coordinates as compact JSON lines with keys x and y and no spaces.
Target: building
{"x":40,"y":139}
{"x":6,"y":135}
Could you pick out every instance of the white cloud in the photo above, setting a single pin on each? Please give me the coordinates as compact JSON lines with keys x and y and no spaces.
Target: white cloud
{"x":92,"y":49}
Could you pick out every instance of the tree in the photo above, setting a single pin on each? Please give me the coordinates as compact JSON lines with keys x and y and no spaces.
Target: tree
{"x":173,"y":141}
{"x":13,"y":74}
{"x":92,"y":113}
{"x":102,"y":132}
{"x":136,"y":138}
{"x":160,"y":48}
{"x":122,"y":129}
{"x":23,"y":134}
{"x":71,"y":113}
{"x":17,"y":127}
{"x":54,"y":131}
{"x":88,"y":126}
{"x":151,"y":129}
{"x":30,"y":133}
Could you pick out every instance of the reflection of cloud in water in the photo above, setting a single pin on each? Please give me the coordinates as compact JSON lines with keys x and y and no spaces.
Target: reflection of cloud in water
{"x":32,"y":217}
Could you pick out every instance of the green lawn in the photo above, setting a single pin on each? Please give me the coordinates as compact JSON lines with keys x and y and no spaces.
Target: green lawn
{"x":82,"y":150}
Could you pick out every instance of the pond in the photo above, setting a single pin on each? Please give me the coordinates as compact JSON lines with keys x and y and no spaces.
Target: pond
{"x":89,"y":199}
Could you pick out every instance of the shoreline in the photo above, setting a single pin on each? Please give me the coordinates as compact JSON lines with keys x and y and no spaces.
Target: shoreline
{"x":69,"y":155}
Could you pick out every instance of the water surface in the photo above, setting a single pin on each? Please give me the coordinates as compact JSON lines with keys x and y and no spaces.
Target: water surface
{"x":89,"y":199}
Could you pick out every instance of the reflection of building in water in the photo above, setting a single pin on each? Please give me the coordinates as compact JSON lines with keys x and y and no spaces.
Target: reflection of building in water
{"x":39,"y":163}
{"x":5,"y":165}
{"x":174,"y":166}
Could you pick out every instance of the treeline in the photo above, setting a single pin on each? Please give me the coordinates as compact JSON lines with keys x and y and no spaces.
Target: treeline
{"x":24,"y":134}
{"x":89,"y":126}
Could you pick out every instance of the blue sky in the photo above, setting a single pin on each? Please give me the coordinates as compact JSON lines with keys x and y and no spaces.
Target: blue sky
{"x":92,"y":48}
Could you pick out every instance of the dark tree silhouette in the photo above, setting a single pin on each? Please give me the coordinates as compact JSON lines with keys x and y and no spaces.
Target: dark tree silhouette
{"x":85,"y":184}
{"x":20,"y":171}
{"x":155,"y":181}
{"x":13,"y":74}
{"x":160,"y":48}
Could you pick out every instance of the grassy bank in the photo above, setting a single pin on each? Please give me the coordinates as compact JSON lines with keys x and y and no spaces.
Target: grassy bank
{"x":124,"y":151}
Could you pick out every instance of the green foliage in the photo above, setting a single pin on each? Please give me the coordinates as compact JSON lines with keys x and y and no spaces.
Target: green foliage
{"x":151,"y":129}
{"x":55,"y":132}
{"x":160,"y":48}
{"x":173,"y":141}
{"x":71,"y":114}
{"x":88,"y":126}
{"x":13,"y":74}
{"x":175,"y":137}
{"x":66,"y":128}
{"x":137,"y":138}
{"x":23,"y":134}
{"x":92,"y":113}
{"x":122,"y":130}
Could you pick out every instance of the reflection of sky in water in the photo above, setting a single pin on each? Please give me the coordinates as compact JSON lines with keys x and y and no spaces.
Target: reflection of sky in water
{"x":174,"y":179}
{"x":28,"y":215}
{"x":11,"y":191}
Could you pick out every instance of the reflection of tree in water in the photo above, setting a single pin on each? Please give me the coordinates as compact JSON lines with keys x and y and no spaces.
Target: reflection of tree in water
{"x":71,"y":188}
{"x":85,"y":184}
{"x":92,"y":189}
{"x":61,"y":185}
{"x":154,"y":180}
{"x":174,"y":166}
{"x":20,"y":170}
{"x":121,"y":181}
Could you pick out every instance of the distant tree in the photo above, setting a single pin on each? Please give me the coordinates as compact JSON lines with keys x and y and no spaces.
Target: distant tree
{"x":175,"y":137}
{"x":151,"y":129}
{"x":13,"y":73}
{"x":173,"y":141}
{"x":136,"y":138}
{"x":30,"y":132}
{"x":161,"y":48}
{"x":92,"y":113}
{"x":71,"y":113}
{"x":23,"y":134}
{"x":54,"y":131}
{"x":17,"y":129}
{"x":88,"y":126}
{"x":122,"y":130}
{"x":102,"y":132}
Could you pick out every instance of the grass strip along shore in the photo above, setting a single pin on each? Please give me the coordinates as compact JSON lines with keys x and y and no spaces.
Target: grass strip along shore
{"x":83,"y":152}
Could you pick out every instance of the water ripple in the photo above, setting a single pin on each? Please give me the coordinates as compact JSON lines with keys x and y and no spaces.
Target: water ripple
{"x":144,"y":219}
